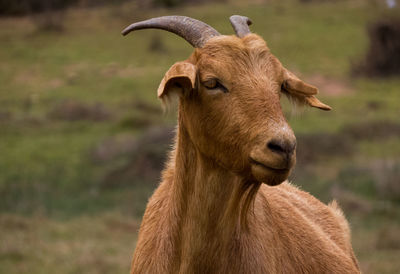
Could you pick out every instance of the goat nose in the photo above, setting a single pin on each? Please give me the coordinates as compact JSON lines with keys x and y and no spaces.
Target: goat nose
{"x":285,"y":147}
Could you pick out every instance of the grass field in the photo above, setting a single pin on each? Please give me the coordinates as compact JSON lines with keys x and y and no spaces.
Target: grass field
{"x":78,"y":106}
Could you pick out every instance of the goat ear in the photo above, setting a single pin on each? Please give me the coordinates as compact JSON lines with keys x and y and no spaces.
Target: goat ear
{"x":180,"y":78}
{"x":301,"y":91}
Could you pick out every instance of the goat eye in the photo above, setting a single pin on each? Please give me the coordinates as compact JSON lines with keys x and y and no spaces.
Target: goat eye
{"x":213,"y":84}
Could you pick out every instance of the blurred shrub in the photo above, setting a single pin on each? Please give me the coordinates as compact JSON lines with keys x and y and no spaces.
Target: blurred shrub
{"x":49,"y":21}
{"x":146,"y":108}
{"x":312,"y":147}
{"x":313,"y":1}
{"x":350,"y":201}
{"x":175,"y":3}
{"x":388,"y":238}
{"x":20,"y":7}
{"x":315,"y":146}
{"x":136,"y":122}
{"x":375,"y":130}
{"x":376,"y":179}
{"x":146,"y":157}
{"x":168,"y":3}
{"x":145,"y":115}
{"x":70,"y":110}
{"x":93,"y":3}
{"x":357,"y":180}
{"x":157,"y":44}
{"x":387,"y":176}
{"x":112,"y":148}
{"x":48,"y":14}
{"x":5,"y":116}
{"x":383,"y":55}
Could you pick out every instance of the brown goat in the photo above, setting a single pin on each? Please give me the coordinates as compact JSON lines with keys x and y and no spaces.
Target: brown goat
{"x":223,"y":205}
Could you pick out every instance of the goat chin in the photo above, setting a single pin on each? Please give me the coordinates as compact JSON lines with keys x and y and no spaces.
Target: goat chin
{"x":269,"y":176}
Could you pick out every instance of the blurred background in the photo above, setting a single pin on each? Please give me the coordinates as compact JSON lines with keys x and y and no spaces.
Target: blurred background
{"x":83,"y":137}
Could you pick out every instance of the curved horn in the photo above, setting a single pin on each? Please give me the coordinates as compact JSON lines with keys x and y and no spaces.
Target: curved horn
{"x":194,"y":31}
{"x":240,"y":24}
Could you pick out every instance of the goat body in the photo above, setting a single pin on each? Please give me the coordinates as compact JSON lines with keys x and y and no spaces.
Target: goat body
{"x":192,"y":225}
{"x":224,"y":205}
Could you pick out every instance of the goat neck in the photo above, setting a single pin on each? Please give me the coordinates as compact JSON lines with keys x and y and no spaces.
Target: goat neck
{"x":211,"y":202}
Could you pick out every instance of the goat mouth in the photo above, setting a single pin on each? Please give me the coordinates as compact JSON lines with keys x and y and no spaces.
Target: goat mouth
{"x":269,"y":168}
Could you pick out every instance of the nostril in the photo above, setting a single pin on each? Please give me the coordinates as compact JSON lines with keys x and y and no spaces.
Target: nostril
{"x":281,"y":146}
{"x":275,"y":146}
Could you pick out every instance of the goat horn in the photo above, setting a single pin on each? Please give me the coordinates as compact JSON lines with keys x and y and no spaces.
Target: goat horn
{"x":194,"y":31}
{"x":240,"y":24}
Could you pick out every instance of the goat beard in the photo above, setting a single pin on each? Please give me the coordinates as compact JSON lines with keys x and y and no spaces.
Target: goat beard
{"x":248,"y":193}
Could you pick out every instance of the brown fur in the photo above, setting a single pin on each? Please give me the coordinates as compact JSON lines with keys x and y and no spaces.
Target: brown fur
{"x":216,"y":211}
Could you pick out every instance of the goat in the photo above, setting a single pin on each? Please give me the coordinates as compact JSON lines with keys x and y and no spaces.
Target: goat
{"x":224,"y":204}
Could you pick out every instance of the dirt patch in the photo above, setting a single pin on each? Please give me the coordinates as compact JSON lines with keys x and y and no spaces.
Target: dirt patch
{"x":72,"y":72}
{"x":32,"y":76}
{"x":114,"y":69}
{"x":329,"y":86}
{"x":55,"y":83}
{"x":28,"y":75}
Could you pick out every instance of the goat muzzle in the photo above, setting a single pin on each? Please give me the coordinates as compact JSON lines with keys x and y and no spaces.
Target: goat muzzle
{"x":272,"y":163}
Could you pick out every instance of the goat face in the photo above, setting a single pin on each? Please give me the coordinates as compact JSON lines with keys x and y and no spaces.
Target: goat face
{"x":229,"y":93}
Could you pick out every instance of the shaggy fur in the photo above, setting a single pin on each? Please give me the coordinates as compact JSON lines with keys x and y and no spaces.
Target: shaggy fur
{"x":221,"y":206}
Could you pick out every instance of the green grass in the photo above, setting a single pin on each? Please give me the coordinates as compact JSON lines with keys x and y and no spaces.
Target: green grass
{"x":54,"y":209}
{"x":102,"y":244}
